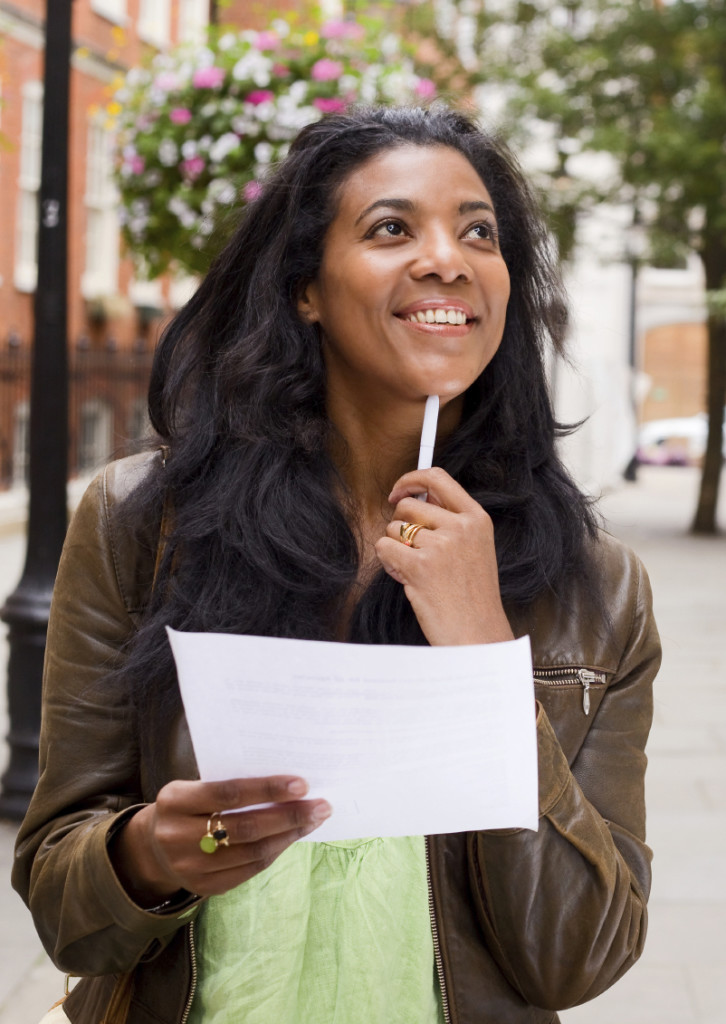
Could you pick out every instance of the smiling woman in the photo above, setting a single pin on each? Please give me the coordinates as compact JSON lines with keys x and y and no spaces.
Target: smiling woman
{"x":395,"y":254}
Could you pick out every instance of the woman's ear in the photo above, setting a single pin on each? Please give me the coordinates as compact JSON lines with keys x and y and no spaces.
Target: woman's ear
{"x":307,"y":306}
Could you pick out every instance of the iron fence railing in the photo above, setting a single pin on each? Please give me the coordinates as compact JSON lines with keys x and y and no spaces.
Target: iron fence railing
{"x":107,"y":415}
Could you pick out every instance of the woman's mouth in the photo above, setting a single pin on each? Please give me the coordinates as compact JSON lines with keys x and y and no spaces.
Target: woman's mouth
{"x":437,"y":316}
{"x":446,"y":320}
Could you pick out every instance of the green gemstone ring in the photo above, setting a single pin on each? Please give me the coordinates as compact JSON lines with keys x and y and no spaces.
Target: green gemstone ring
{"x":215,"y":836}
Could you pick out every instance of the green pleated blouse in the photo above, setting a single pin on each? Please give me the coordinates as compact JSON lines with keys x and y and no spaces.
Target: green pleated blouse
{"x":331,"y":933}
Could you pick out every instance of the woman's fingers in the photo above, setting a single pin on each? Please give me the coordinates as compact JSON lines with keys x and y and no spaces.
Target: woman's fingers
{"x":232,"y":794}
{"x":448,"y":568}
{"x":249,"y":828}
{"x":442,"y":490}
{"x":220,"y":877}
{"x":158,"y":851}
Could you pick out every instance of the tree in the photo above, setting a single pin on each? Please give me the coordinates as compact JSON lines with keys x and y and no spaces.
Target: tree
{"x":644,"y":81}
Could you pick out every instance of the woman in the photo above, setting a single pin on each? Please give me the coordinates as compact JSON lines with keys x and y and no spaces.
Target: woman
{"x":289,"y":395}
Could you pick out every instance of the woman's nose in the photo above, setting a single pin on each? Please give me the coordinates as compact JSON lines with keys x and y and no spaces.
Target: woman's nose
{"x":441,"y":255}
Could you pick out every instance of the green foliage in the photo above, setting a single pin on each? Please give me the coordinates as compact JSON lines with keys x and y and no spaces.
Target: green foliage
{"x":643,"y":81}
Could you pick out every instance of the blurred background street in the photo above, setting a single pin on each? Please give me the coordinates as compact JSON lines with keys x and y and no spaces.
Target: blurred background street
{"x":130,"y":130}
{"x":679,"y":980}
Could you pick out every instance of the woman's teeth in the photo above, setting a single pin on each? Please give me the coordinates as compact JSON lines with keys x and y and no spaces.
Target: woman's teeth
{"x":437,"y":316}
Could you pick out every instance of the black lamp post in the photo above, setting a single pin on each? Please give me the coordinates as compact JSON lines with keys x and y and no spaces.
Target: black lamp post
{"x":26,"y":610}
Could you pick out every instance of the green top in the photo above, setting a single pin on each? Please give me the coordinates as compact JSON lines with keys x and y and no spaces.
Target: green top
{"x":330,"y":933}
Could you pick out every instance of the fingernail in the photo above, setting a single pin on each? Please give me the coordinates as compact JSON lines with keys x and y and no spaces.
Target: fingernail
{"x":321,"y":812}
{"x":298,"y":787}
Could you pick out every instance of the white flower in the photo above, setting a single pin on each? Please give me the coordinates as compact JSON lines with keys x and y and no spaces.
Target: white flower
{"x":168,"y":152}
{"x":209,"y":109}
{"x":204,"y":143}
{"x":228,"y":105}
{"x":189,"y":149}
{"x":298,"y":91}
{"x":137,"y":76}
{"x":348,"y":83}
{"x":227,"y":41}
{"x":206,"y":227}
{"x":389,"y":45}
{"x":280,"y":26}
{"x":263,"y":111}
{"x":205,"y":57}
{"x":223,"y":146}
{"x":263,"y":152}
{"x":393,"y":86}
{"x":241,"y":70}
{"x":261,"y":78}
{"x":222,"y":191}
{"x":245,"y":125}
{"x":152,"y":178}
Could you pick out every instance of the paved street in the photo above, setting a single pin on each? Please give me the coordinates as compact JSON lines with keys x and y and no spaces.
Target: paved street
{"x":680,"y":977}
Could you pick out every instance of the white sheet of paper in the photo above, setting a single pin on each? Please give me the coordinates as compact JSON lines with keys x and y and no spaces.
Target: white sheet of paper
{"x":400,"y":740}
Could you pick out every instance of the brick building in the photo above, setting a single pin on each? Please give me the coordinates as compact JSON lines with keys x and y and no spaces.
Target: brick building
{"x":113,"y":319}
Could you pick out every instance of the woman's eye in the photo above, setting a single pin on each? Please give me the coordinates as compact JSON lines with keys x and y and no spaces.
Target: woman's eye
{"x":387,"y":229}
{"x":485,"y":232}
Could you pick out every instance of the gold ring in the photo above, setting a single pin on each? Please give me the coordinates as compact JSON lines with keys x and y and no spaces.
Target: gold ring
{"x":409,"y":531}
{"x":215,"y":836}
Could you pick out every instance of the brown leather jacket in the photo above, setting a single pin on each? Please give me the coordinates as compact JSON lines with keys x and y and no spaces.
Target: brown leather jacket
{"x":525,"y":922}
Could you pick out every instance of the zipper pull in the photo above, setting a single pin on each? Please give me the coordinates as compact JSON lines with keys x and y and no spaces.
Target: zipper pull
{"x":586,"y":678}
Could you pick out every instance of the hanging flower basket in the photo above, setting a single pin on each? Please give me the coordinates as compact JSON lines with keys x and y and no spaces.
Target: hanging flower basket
{"x":199,"y":127}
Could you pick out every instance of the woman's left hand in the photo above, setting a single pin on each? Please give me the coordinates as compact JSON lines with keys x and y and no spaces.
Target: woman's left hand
{"x":450,"y":573}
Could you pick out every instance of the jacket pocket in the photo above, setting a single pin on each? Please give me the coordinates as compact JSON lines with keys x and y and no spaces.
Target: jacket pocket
{"x":589,"y":682}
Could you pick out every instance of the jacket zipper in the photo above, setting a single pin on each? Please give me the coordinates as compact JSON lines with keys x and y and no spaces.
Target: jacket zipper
{"x":193,"y":985}
{"x":566,"y":676}
{"x":435,"y":935}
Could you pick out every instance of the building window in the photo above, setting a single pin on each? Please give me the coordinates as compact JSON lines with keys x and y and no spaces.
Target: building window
{"x":193,"y":20}
{"x":100,"y":277}
{"x":21,"y":444}
{"x":95,"y":435}
{"x":154,"y":21}
{"x":114,"y":10}
{"x":139,"y":427}
{"x":26,"y":244}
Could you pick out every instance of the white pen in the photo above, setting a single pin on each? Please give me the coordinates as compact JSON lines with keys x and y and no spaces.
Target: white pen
{"x":428,"y":437}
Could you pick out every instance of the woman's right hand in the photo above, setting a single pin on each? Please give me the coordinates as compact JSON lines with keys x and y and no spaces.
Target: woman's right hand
{"x":157,"y":851}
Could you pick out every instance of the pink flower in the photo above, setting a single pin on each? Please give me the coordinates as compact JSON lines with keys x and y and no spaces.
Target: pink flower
{"x":193,"y":167}
{"x":325,"y":70}
{"x":180,"y":115}
{"x":329,"y":106}
{"x":281,"y":70}
{"x":136,"y":164}
{"x":258,"y":96}
{"x":267,"y":41}
{"x":425,"y":88}
{"x":337,"y":29}
{"x":208,"y":78}
{"x":167,"y":80}
{"x":251,"y":191}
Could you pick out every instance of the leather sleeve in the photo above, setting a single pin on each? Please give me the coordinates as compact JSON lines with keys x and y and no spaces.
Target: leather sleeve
{"x":563,"y":909}
{"x":89,"y":766}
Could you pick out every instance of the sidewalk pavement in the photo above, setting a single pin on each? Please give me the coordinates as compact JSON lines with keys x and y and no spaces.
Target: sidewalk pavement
{"x":679,"y":979}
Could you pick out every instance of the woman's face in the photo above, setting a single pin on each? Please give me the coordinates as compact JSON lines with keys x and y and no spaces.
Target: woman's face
{"x":412,"y":291}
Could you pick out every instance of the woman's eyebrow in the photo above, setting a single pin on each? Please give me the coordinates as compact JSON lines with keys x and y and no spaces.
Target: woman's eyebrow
{"x":470,"y":206}
{"x":394,"y":204}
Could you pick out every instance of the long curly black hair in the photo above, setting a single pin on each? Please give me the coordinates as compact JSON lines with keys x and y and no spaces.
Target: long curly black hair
{"x":261,"y":541}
